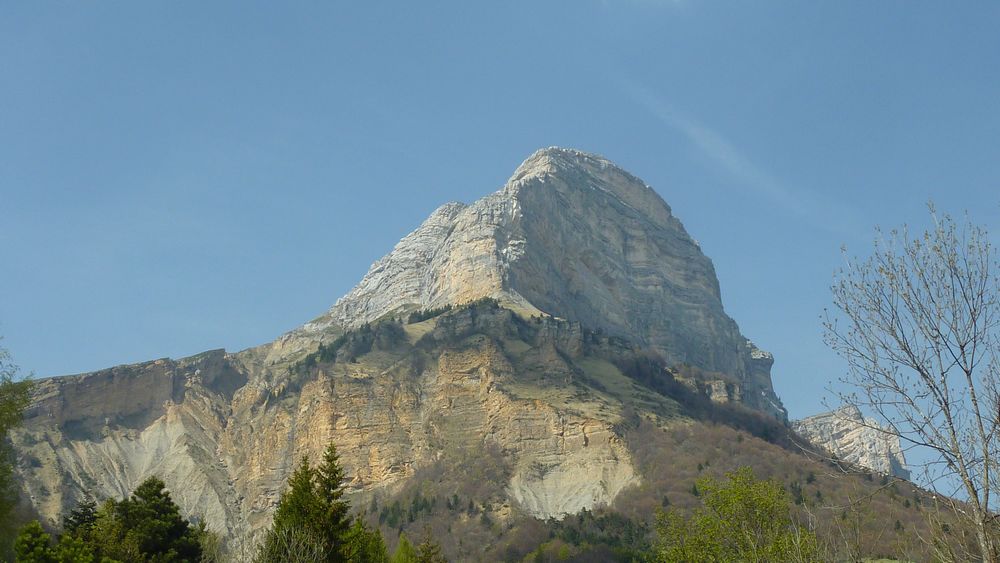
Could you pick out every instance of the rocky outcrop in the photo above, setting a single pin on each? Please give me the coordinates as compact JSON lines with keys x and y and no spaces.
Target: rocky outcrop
{"x":585,"y":264}
{"x":573,"y":236}
{"x":225,"y":441}
{"x":851,"y":437}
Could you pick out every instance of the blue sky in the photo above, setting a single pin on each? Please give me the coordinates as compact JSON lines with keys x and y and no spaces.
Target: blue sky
{"x":183,"y":176}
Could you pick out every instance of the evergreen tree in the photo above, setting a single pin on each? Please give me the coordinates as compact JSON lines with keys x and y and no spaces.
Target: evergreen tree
{"x":299,"y":506}
{"x":34,"y":545}
{"x":429,"y":551}
{"x":313,"y":504}
{"x":404,"y":551}
{"x":74,"y":550}
{"x":80,"y":520}
{"x":151,"y":516}
{"x":364,"y":545}
{"x":330,"y":489}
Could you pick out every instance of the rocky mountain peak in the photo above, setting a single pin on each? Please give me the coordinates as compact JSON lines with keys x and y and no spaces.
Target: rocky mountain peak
{"x":570,"y":235}
{"x":551,"y":160}
{"x":590,"y":271}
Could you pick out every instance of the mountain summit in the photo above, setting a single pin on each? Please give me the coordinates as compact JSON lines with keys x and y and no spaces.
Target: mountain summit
{"x":503,"y":352}
{"x":573,"y":236}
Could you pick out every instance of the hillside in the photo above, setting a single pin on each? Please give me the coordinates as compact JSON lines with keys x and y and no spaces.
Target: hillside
{"x":556,"y":348}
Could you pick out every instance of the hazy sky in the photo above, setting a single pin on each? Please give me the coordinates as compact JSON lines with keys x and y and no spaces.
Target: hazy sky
{"x":182,"y":176}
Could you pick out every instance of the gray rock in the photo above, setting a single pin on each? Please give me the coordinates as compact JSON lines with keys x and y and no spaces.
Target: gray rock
{"x":852,"y":437}
{"x":573,"y":236}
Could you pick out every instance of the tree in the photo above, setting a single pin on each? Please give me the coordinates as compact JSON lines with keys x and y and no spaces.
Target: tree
{"x":288,"y":545}
{"x":429,"y":550}
{"x":743,"y":519}
{"x":80,"y":520}
{"x":313,"y":506}
{"x":147,"y":526}
{"x":404,"y":551}
{"x":15,"y":395}
{"x":364,"y":545}
{"x":918,"y":323}
{"x":34,"y":545}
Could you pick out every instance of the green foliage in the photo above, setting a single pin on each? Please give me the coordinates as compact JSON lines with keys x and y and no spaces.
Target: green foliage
{"x":365,"y":545}
{"x":15,"y":395}
{"x":743,"y":519}
{"x":34,"y":545}
{"x":147,"y":526}
{"x":404,"y":551}
{"x":313,"y":504}
{"x":353,"y":344}
{"x":80,"y":520}
{"x":152,"y":518}
{"x":75,"y":550}
{"x":423,"y":315}
{"x":429,"y":551}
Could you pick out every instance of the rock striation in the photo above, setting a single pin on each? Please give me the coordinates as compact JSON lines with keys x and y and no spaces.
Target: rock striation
{"x":573,"y":236}
{"x":549,"y":286}
{"x":850,"y":436}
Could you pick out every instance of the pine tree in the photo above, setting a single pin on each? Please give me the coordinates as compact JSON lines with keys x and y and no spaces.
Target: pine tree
{"x":34,"y":545}
{"x":364,"y":545}
{"x":312,"y":506}
{"x":152,"y":517}
{"x":299,"y":506}
{"x":330,"y":489}
{"x":429,"y":551}
{"x":81,"y":519}
{"x":404,"y":551}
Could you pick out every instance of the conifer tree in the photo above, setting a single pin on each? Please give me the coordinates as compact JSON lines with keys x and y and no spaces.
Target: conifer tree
{"x":34,"y":545}
{"x":312,"y":506}
{"x":81,"y":519}
{"x":330,"y":482}
{"x":404,"y":551}
{"x":365,"y":545}
{"x":152,"y":516}
{"x":429,"y":551}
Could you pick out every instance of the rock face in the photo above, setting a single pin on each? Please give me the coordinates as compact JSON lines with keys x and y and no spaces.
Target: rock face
{"x":584,"y":261}
{"x":573,"y":236}
{"x":847,"y":434}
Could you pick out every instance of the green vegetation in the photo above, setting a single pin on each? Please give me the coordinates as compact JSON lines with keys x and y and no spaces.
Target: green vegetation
{"x":682,"y":445}
{"x":15,"y":395}
{"x":313,"y":512}
{"x":424,"y":314}
{"x":743,"y":519}
{"x":147,"y":526}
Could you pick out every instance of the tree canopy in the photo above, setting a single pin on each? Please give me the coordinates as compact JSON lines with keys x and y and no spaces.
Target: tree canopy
{"x":743,"y":519}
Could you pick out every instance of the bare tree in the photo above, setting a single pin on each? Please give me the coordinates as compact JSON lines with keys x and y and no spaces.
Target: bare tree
{"x":917,"y":322}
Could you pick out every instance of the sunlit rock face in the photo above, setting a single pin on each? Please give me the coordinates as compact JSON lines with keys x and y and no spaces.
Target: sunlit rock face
{"x":847,"y":434}
{"x":573,"y":236}
{"x":571,"y":242}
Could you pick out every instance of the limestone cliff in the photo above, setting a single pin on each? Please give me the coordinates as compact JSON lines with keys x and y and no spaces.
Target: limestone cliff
{"x":847,"y":434}
{"x":573,"y":236}
{"x":585,"y":268}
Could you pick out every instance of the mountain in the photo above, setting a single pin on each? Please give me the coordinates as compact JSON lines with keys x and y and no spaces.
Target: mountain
{"x":850,"y":436}
{"x":573,"y":236}
{"x":504,"y":348}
